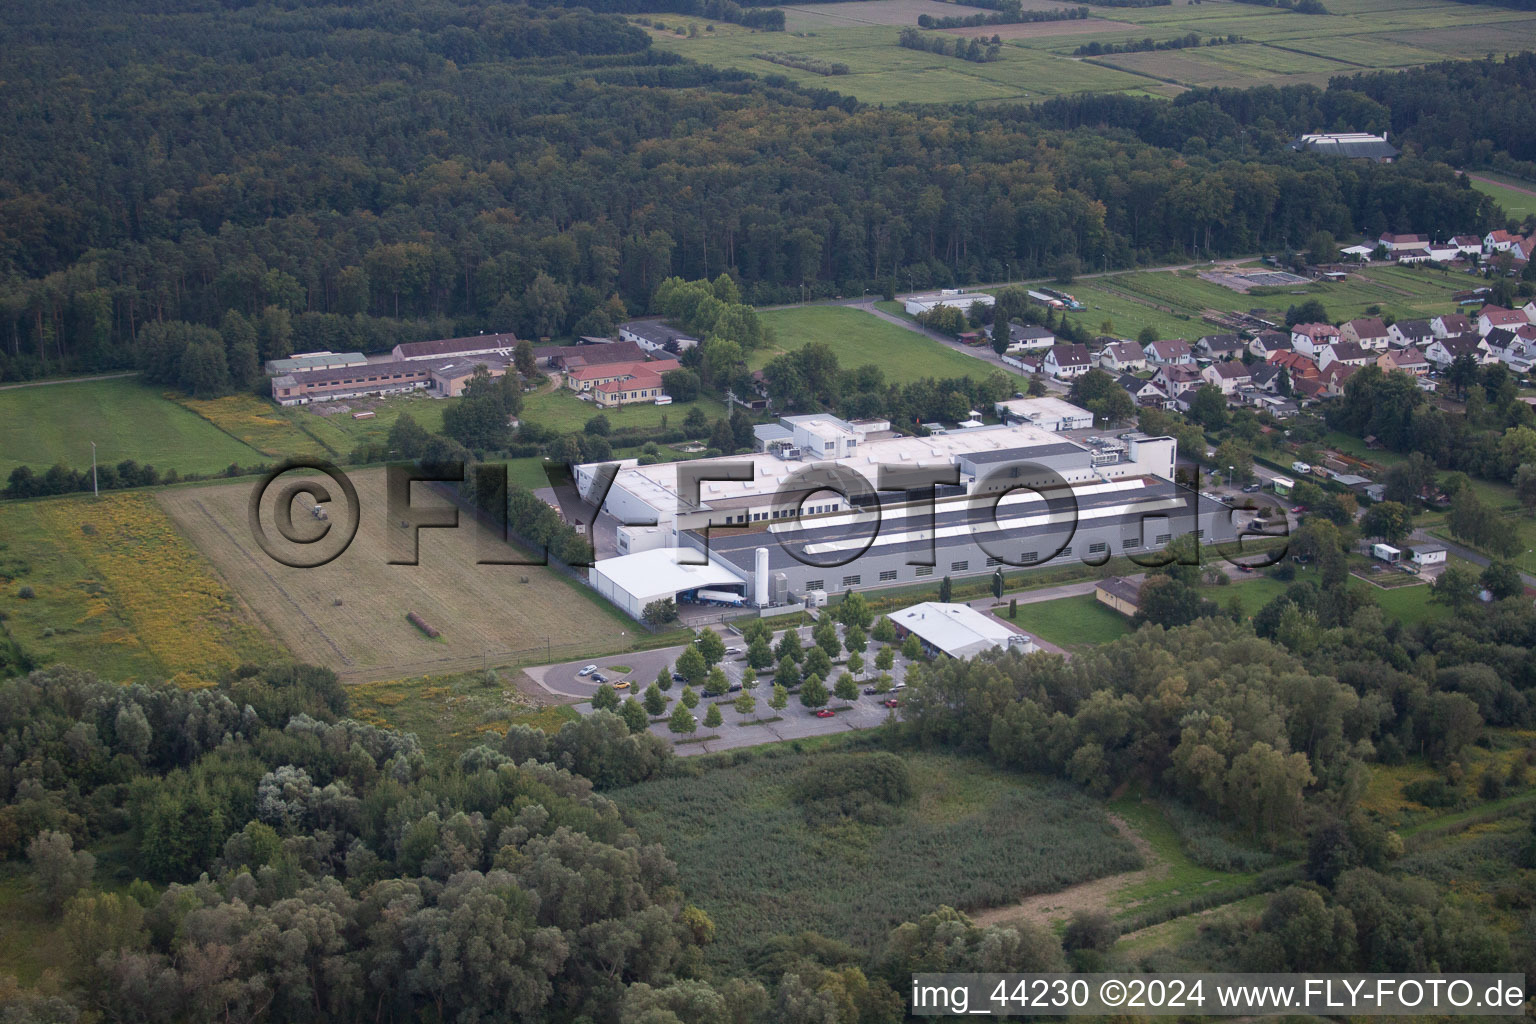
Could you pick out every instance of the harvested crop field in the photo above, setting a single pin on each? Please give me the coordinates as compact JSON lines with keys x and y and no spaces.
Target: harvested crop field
{"x":1038,"y":29}
{"x":878,"y":12}
{"x":350,"y":614}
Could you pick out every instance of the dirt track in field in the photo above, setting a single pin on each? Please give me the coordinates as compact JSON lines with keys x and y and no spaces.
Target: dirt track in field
{"x":1055,"y":906}
{"x":350,"y":615}
{"x":1040,"y":29}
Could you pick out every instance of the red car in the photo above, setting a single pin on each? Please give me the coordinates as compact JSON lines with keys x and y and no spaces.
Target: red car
{"x":1298,"y":509}
{"x":893,"y":703}
{"x":826,"y":713}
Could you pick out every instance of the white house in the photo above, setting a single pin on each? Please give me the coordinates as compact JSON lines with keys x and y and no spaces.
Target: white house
{"x":1468,"y":245}
{"x":1067,"y":361}
{"x":1220,"y":346}
{"x":1499,"y":241}
{"x":1173,"y":352}
{"x":1267,"y":343}
{"x":1367,"y":332}
{"x":1409,"y":332}
{"x":1444,"y":351}
{"x":1308,"y":338}
{"x":1145,"y":392}
{"x":1026,"y":338}
{"x":1347,"y":352}
{"x":1227,"y":375}
{"x":1427,"y":555}
{"x":1177,"y":378}
{"x":1120,"y":356}
{"x":1490,"y":317}
{"x":1393,"y":243}
{"x":1449,"y":324}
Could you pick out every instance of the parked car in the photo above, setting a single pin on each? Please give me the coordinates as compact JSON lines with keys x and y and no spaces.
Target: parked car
{"x":622,"y":684}
{"x":732,"y":650}
{"x":587,"y":671}
{"x":1251,"y":488}
{"x":826,"y":713}
{"x":598,"y":677}
{"x":679,"y":678}
{"x":870,"y":691}
{"x":893,"y":703}
{"x":733,"y":688}
{"x":1298,"y":509}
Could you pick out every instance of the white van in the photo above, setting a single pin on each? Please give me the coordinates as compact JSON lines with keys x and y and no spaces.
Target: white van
{"x":1300,"y":467}
{"x":664,"y":400}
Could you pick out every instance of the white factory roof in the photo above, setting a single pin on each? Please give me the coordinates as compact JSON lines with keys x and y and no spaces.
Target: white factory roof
{"x":1048,"y":408}
{"x":664,"y":572}
{"x":658,"y":485}
{"x":958,"y":629}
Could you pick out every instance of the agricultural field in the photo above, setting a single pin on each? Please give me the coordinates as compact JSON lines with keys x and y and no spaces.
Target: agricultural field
{"x":45,"y":424}
{"x":859,"y":338}
{"x":969,"y":837}
{"x":350,"y":614}
{"x":118,"y":591}
{"x":1280,"y":48}
{"x":268,"y":428}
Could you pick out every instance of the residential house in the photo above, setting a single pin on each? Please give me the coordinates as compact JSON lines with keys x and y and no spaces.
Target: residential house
{"x":1296,"y":364}
{"x":1266,"y":377}
{"x":1367,"y":332}
{"x":1120,"y":593}
{"x":1447,"y":324}
{"x":1177,"y":378}
{"x":1173,"y":352}
{"x":1413,"y":254}
{"x":1516,"y":348}
{"x":1308,"y":389}
{"x":642,"y":386}
{"x":1529,"y":309}
{"x":1120,"y":356}
{"x":1335,"y":377}
{"x":1227,"y":375}
{"x":1393,"y":243}
{"x":1145,"y":392}
{"x":1499,"y":241}
{"x":656,"y":336}
{"x":1267,"y":343}
{"x":1067,"y":361}
{"x":574,"y":357}
{"x":1347,"y":352}
{"x":1490,"y":317}
{"x":1308,"y":338}
{"x":1468,"y":245}
{"x":1410,"y":332}
{"x":1026,"y":337}
{"x":1220,"y":346}
{"x":1403,"y":360}
{"x":1445,"y":351}
{"x":1444,"y":252}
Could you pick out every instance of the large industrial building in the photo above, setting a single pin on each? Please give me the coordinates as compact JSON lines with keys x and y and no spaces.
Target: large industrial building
{"x":836,"y":511}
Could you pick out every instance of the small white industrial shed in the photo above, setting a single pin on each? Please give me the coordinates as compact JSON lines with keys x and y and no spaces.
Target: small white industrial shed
{"x":634,"y":581}
{"x":958,"y":630}
{"x":1427,"y":555}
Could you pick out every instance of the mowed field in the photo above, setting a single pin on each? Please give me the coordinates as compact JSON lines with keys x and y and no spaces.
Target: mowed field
{"x":1517,"y":198}
{"x":350,"y":614}
{"x":859,"y":338}
{"x":44,"y":424}
{"x":1279,"y":47}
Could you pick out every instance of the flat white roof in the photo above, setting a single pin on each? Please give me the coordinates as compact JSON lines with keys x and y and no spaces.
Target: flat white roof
{"x":1045,"y":408}
{"x":657,"y":484}
{"x":956,"y":629}
{"x":657,"y":573}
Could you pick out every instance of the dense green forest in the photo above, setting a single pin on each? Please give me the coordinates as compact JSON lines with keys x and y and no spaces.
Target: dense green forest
{"x":351,"y":177}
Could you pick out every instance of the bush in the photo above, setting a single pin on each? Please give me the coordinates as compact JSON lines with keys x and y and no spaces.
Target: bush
{"x":1090,"y":929}
{"x":1432,"y":793}
{"x":26,"y":593}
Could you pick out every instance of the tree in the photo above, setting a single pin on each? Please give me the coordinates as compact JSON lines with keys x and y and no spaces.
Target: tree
{"x":780,"y":698}
{"x":856,"y":663}
{"x":1310,"y":312}
{"x":1462,"y":374}
{"x":523,"y":358}
{"x":683,"y":385}
{"x":825,"y":635}
{"x":1389,"y":520}
{"x":1322,"y":248}
{"x":789,"y":646}
{"x":479,"y":419}
{"x":788,"y":674}
{"x":885,"y":630}
{"x":813,"y":692}
{"x":712,"y":718}
{"x":407,"y":439}
{"x":1525,"y":486}
{"x":1456,"y":588}
{"x":606,"y":698}
{"x":884,"y":683}
{"x":759,"y":653}
{"x":598,"y":425}
{"x":655,"y":701}
{"x":1502,"y":580}
{"x":946,"y":590}
{"x":688,"y":698}
{"x":1208,"y":407}
{"x":1236,"y":456}
{"x":854,"y":640}
{"x":710,"y":646}
{"x":716,"y":683}
{"x":634,"y":715}
{"x":691,"y":666}
{"x":854,"y":611}
{"x":846,"y":688}
{"x":746,"y":704}
{"x":61,"y":870}
{"x":997,"y":584}
{"x":682,"y":720}
{"x":660,"y":611}
{"x":1147,"y":335}
{"x":912,"y":647}
{"x":663,"y":679}
{"x":884,"y":659}
{"x":817,"y":663}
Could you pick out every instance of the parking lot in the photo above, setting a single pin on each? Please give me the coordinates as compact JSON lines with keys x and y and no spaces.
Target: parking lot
{"x":763,"y":725}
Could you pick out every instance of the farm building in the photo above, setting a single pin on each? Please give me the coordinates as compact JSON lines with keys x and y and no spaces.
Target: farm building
{"x":1120,"y":593}
{"x":460,"y":348}
{"x":958,"y":298}
{"x":1427,"y":556}
{"x":393,"y":377}
{"x":1352,"y":145}
{"x":314,"y":361}
{"x":656,"y":336}
{"x":958,"y":630}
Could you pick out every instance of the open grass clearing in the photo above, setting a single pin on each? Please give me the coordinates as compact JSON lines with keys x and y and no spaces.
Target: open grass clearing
{"x":560,"y":409}
{"x":858,"y":338}
{"x":451,"y":713}
{"x":350,"y":614}
{"x":1071,"y":622}
{"x":1518,"y":202}
{"x":971,"y":836}
{"x":44,"y":425}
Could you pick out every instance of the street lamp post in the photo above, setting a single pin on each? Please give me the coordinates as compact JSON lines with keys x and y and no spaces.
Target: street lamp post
{"x":95,"y":487}
{"x":1229,"y":478}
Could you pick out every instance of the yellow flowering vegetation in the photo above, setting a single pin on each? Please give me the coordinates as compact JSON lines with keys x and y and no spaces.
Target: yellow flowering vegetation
{"x":450,"y":713}
{"x":259,"y":424}
{"x":114,"y":588}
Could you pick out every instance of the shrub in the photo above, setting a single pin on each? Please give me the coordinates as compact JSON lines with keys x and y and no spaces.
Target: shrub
{"x":1432,"y":793}
{"x":1090,"y":929}
{"x":26,"y":593}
